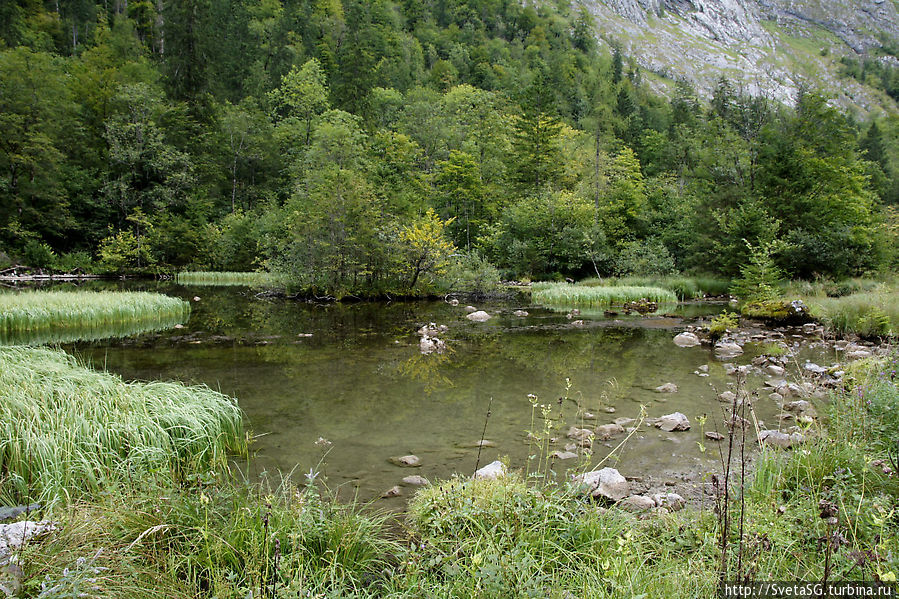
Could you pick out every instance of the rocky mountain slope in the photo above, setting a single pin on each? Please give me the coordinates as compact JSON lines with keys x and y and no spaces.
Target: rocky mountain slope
{"x":765,"y":46}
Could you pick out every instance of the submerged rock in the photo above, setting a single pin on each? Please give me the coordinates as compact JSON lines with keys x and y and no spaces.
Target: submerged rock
{"x":686,"y":339}
{"x":607,"y":483}
{"x":564,"y":455}
{"x":493,"y":470}
{"x":666,"y":388}
{"x":407,"y":461}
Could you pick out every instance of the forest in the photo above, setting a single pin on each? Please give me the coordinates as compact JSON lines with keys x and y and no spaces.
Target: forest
{"x":364,"y":148}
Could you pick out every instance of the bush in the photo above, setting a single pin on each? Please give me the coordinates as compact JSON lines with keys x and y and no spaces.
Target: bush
{"x":760,"y":279}
{"x":470,"y":272}
{"x":38,"y":254}
{"x":74,"y":261}
{"x":723,"y":322}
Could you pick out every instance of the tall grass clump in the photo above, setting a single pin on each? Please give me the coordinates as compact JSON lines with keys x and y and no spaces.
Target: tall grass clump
{"x":685,"y":287}
{"x":563,"y":294}
{"x":68,"y":431}
{"x":43,"y":311}
{"x":868,"y":314}
{"x":248,"y":279}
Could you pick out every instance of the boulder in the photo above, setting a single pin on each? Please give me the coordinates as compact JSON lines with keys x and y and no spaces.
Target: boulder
{"x":493,"y":470}
{"x":814,"y":368}
{"x":637,"y":503}
{"x":727,"y":396}
{"x":714,"y":435}
{"x":727,"y":349}
{"x":392,"y":492}
{"x":670,"y":501}
{"x":774,"y":370}
{"x":779,"y":439}
{"x":583,"y":436}
{"x":564,"y":455}
{"x":521,"y":313}
{"x":607,"y":431}
{"x":673,"y":422}
{"x":416,"y":481}
{"x":666,"y":388}
{"x":686,"y":339}
{"x":13,"y":536}
{"x":607,"y":483}
{"x":478,"y":316}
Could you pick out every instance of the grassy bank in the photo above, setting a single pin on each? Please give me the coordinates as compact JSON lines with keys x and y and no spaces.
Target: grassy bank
{"x":67,"y":431}
{"x":579,"y":296}
{"x":869,"y":314}
{"x":37,"y":312}
{"x":684,"y":287}
{"x":232,"y":279}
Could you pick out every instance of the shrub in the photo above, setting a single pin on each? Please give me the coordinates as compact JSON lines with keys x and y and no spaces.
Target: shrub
{"x":38,"y":254}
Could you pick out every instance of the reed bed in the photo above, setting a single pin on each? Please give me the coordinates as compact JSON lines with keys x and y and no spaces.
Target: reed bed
{"x":67,"y":431}
{"x":869,"y":314}
{"x":42,"y":311}
{"x":564,"y":294}
{"x":685,"y":287}
{"x":224,"y":279}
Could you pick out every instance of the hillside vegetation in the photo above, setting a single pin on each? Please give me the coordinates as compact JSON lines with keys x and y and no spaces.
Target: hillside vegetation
{"x":383,"y":147}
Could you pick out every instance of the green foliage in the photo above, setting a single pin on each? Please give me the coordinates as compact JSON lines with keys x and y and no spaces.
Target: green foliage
{"x":125,"y":252}
{"x":643,"y":259}
{"x":38,"y":255}
{"x":722,"y":323}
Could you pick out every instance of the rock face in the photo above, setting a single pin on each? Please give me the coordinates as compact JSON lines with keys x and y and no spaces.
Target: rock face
{"x":607,"y":483}
{"x":752,"y":42}
{"x":673,"y":422}
{"x":686,"y":339}
{"x":491,"y":471}
{"x":478,"y":316}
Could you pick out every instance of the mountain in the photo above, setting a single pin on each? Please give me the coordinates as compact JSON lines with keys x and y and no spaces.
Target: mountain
{"x":764,"y":46}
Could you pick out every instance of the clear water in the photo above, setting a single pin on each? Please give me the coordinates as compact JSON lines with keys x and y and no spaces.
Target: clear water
{"x":353,"y":374}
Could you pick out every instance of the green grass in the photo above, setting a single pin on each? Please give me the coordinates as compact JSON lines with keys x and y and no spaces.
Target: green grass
{"x":84,"y":314}
{"x":868,"y":314}
{"x":254,"y":279}
{"x":67,"y":431}
{"x":685,"y":287}
{"x":565,"y":295}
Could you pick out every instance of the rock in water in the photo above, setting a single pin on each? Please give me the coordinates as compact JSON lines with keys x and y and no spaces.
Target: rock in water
{"x":392,"y":492}
{"x":686,"y":339}
{"x":727,"y":349}
{"x":416,"y":481}
{"x":666,"y":388}
{"x":521,"y":313}
{"x":607,"y":483}
{"x":491,"y":471}
{"x":583,"y":436}
{"x":673,"y":422}
{"x":408,"y":461}
{"x":607,"y":431}
{"x":479,"y":316}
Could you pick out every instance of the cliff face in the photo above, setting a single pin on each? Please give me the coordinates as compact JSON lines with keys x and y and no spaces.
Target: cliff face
{"x":763,"y":46}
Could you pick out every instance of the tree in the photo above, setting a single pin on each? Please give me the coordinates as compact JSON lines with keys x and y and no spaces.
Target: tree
{"x":535,"y":138}
{"x":461,"y":197}
{"x":426,"y":247}
{"x":303,"y":95}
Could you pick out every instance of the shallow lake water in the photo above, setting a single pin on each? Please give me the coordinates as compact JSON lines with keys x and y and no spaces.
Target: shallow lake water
{"x":353,"y":374}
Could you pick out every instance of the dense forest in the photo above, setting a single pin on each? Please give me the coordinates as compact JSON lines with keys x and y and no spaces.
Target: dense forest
{"x":382,"y":146}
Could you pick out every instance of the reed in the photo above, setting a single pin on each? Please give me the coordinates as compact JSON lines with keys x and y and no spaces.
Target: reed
{"x":685,"y":287}
{"x":67,"y":431}
{"x":563,"y":294}
{"x":248,"y":279}
{"x":55,"y":311}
